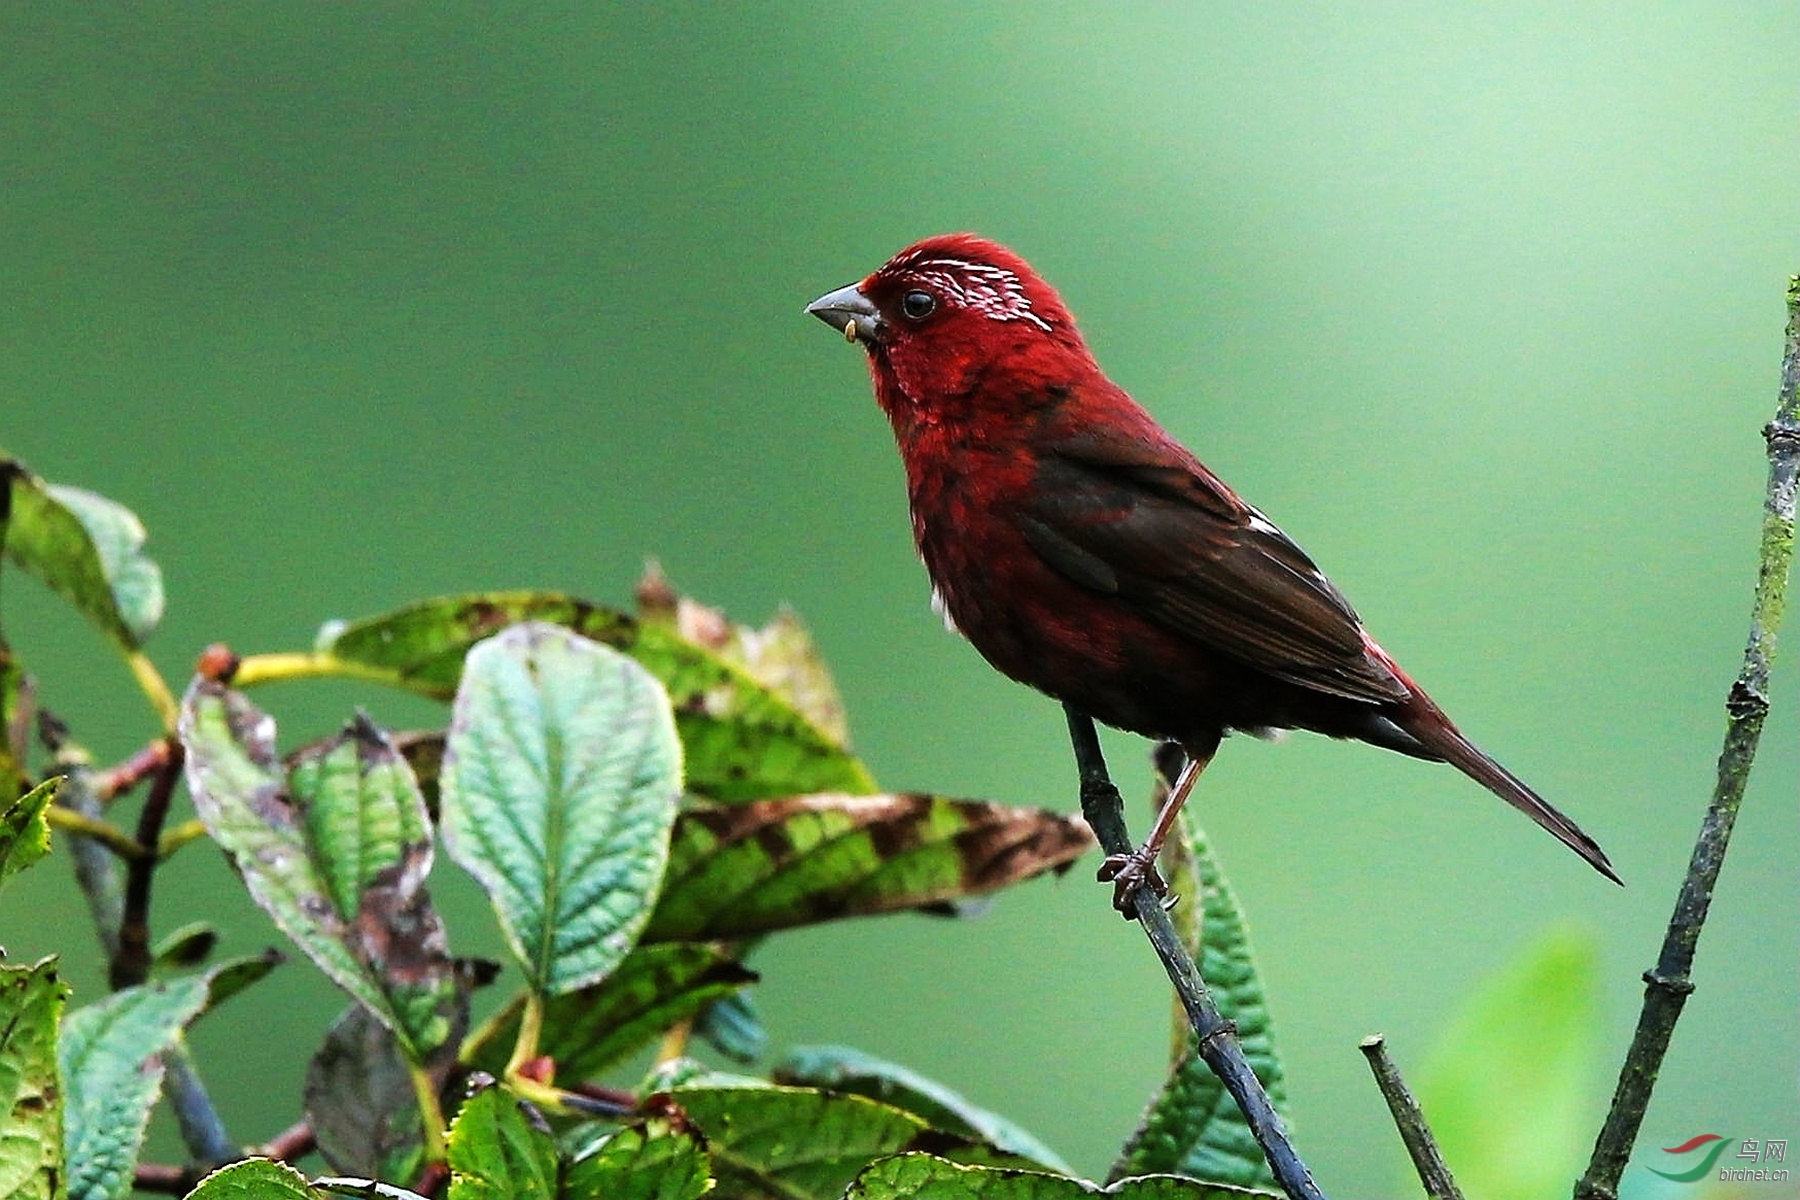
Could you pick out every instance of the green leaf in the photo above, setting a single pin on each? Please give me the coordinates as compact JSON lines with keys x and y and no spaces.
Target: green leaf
{"x":587,"y":1030}
{"x":1192,"y":1126}
{"x":337,"y":852}
{"x":370,"y":1189}
{"x":910,"y":1175}
{"x":31,"y":1099}
{"x":188,"y":946}
{"x":843,"y":1069}
{"x":781,"y":655}
{"x":360,"y":1101}
{"x":731,"y":1026}
{"x":736,"y":870}
{"x":24,"y":834}
{"x":742,"y":740}
{"x":560,"y":782}
{"x":497,"y":1154}
{"x":651,"y":1163}
{"x":793,"y":1143}
{"x":256,"y":1179}
{"x":18,"y":709}
{"x":88,"y":549}
{"x":1507,"y":1090}
{"x":233,"y":975}
{"x":112,"y":1070}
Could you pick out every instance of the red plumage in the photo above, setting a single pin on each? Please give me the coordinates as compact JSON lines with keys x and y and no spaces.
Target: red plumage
{"x":1085,"y":552}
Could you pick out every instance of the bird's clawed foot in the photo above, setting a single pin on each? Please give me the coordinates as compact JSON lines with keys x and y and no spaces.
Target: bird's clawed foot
{"x":1131,"y":873}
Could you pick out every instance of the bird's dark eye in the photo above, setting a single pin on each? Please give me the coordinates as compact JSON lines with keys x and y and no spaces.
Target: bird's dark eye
{"x":918,"y":305}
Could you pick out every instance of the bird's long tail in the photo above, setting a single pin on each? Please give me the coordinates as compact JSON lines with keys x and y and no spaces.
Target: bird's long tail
{"x":1426,"y":722}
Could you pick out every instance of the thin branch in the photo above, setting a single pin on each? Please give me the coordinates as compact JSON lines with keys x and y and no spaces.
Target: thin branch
{"x":131,"y":965}
{"x":98,"y":829}
{"x":166,"y":1179}
{"x":117,"y":780}
{"x":1667,"y":985}
{"x":1427,"y":1160}
{"x":296,"y":1141}
{"x":293,"y":1143}
{"x":1215,"y":1037}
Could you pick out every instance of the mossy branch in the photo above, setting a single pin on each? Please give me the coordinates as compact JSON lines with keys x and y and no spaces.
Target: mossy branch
{"x":1746,"y":705}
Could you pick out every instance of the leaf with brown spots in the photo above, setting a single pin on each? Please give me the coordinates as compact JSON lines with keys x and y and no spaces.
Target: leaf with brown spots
{"x":745,"y":869}
{"x":336,"y":849}
{"x":742,"y":739}
{"x":781,"y":655}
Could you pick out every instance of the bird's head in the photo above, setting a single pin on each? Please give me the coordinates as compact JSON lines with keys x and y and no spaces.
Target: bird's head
{"x":957,"y":325}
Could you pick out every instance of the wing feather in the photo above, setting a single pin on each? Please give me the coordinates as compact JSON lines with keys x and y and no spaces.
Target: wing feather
{"x":1179,"y":546}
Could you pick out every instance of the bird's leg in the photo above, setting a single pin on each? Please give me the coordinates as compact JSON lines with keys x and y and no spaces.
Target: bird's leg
{"x":1137,"y":869}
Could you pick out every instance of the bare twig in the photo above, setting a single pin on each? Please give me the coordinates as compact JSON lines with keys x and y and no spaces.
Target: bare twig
{"x":117,"y":780}
{"x":166,"y":1179}
{"x":131,"y":965}
{"x":1667,"y":984}
{"x":96,"y":829}
{"x":296,"y":1141}
{"x":1215,"y":1037}
{"x":291,"y":1144}
{"x":1434,"y":1173}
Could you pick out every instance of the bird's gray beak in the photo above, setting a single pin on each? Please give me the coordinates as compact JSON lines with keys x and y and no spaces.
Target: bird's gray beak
{"x":850,"y":313}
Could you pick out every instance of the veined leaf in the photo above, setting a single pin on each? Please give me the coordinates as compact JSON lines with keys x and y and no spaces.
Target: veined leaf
{"x":909,"y":1175}
{"x":496,"y":1154}
{"x":256,"y":1179}
{"x":1192,"y":1126}
{"x":742,"y":740}
{"x":88,"y":549}
{"x":31,"y":1098}
{"x":359,"y":1098}
{"x":793,"y":1143}
{"x":337,"y":853}
{"x":781,"y":655}
{"x":560,"y":782}
{"x":731,"y":1026}
{"x":24,"y":834}
{"x":843,"y":1069}
{"x":112,"y":1070}
{"x":1508,"y":1090}
{"x":648,"y":1163}
{"x":587,"y":1030}
{"x":736,"y":870}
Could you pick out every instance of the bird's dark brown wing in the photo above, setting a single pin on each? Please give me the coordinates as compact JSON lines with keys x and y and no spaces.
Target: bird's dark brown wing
{"x":1150,"y":525}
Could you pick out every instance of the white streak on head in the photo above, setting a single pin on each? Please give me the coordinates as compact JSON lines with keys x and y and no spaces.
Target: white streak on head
{"x":994,"y":292}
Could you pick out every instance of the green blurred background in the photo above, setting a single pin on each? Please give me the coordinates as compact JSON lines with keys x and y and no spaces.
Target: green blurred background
{"x":1482,"y":303}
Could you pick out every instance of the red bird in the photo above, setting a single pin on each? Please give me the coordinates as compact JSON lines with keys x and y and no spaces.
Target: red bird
{"x":1087,"y":553}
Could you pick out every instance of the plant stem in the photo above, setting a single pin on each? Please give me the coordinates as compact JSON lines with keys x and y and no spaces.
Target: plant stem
{"x":96,"y":829}
{"x":1427,"y":1160}
{"x":273,"y":668}
{"x":431,"y":1111}
{"x":131,"y":965}
{"x":1216,"y":1038}
{"x":1667,"y":985}
{"x":155,"y":688}
{"x":115,"y":781}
